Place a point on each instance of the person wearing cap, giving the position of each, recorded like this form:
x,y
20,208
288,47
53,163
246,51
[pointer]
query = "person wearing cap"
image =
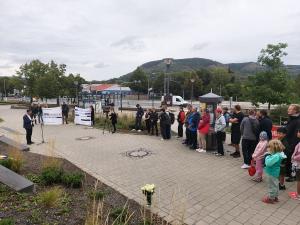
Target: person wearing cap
x,y
249,131
220,125
138,118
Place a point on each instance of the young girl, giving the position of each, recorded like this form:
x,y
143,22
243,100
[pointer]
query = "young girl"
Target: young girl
x,y
296,163
258,155
272,168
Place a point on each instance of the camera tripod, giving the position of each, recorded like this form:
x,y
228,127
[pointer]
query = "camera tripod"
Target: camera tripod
x,y
107,124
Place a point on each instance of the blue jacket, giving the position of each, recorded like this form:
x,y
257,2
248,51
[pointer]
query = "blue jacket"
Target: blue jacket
x,y
194,121
27,123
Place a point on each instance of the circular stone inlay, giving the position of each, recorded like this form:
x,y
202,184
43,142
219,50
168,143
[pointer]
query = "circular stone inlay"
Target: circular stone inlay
x,y
138,153
84,138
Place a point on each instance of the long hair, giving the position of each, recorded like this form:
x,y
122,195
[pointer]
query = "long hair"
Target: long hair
x,y
275,146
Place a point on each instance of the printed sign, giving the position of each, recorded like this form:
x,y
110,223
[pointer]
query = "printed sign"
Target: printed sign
x,y
52,116
83,116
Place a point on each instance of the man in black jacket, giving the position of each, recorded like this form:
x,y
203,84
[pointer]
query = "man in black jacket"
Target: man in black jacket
x,y
292,127
28,124
265,123
65,112
153,121
138,118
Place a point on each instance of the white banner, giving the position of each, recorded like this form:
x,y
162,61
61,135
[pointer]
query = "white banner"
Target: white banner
x,y
83,116
52,116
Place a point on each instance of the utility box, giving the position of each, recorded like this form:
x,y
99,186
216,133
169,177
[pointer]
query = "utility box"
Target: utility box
x,y
210,101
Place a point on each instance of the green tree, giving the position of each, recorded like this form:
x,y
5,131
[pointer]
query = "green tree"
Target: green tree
x,y
272,85
138,81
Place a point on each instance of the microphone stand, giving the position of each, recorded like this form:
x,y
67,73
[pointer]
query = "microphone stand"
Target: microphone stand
x,y
42,132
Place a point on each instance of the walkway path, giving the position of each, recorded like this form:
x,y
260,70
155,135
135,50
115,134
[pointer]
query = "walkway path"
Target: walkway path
x,y
200,188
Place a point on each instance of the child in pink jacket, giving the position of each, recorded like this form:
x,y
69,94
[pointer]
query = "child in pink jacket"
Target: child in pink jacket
x,y
258,155
296,164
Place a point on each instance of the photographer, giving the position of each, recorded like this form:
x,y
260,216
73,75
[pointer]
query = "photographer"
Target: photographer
x,y
113,117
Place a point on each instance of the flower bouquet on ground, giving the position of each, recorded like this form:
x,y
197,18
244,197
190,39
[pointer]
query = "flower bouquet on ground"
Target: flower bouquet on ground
x,y
148,191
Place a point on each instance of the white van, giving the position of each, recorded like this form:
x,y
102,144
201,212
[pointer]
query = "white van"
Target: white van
x,y
174,101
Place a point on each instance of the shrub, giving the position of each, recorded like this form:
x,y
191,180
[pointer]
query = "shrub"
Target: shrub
x,y
119,214
279,114
51,198
97,195
34,178
51,175
12,164
7,221
73,180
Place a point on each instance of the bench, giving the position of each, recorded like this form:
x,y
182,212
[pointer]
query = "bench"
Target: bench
x,y
14,144
15,181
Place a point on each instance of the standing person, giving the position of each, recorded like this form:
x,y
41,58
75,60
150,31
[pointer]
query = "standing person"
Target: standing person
x,y
28,125
285,166
180,120
258,155
265,123
65,112
249,129
193,126
187,140
272,169
114,119
147,120
226,116
236,120
153,121
170,121
203,130
34,111
292,126
296,163
40,113
220,125
138,118
165,122
92,115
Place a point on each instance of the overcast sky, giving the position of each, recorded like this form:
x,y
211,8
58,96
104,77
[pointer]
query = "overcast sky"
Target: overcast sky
x,y
101,39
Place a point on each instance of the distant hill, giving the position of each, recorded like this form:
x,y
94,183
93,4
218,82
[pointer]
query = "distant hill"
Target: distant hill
x,y
189,64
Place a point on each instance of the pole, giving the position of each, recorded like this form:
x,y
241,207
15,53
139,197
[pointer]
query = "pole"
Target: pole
x,y
121,98
192,93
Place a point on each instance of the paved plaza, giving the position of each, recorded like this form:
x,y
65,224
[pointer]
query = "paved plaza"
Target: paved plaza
x,y
194,187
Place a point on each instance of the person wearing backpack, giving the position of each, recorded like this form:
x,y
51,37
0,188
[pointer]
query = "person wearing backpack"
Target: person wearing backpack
x,y
249,128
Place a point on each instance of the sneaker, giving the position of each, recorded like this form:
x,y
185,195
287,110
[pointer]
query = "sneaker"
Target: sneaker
x,y
282,187
162,139
257,179
245,166
276,199
268,200
218,154
139,131
290,179
133,130
202,150
199,150
237,155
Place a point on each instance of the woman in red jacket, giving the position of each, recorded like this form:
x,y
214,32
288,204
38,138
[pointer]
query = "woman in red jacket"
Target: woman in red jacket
x,y
203,129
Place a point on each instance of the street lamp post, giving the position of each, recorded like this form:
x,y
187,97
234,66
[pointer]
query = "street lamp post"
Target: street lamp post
x,y
76,84
121,98
168,63
192,92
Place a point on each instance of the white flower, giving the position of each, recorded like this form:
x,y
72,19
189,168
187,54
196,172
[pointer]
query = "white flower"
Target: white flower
x,y
148,188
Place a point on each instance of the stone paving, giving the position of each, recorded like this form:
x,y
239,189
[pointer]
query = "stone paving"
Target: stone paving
x,y
192,187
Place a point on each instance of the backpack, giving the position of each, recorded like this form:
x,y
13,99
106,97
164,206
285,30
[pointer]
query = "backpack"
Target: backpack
x,y
172,117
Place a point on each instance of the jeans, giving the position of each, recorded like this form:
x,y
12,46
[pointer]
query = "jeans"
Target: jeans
x,y
273,186
138,123
248,147
180,129
193,135
188,136
154,125
220,137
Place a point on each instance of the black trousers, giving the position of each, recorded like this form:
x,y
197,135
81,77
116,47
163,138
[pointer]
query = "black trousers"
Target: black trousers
x,y
188,136
220,137
114,127
193,138
28,135
148,126
163,131
288,164
180,129
248,147
168,131
65,118
154,125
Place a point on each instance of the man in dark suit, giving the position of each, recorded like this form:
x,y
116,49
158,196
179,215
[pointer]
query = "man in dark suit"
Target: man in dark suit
x,y
28,124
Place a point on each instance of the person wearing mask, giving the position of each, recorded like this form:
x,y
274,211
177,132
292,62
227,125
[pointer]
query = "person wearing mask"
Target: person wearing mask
x,y
180,120
65,112
28,125
153,121
220,125
203,129
292,127
92,115
249,130
236,120
265,123
193,127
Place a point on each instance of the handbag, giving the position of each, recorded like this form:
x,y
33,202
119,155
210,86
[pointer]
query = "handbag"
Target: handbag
x,y
251,169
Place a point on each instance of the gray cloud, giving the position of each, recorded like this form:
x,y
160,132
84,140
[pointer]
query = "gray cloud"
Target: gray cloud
x,y
100,65
130,42
200,46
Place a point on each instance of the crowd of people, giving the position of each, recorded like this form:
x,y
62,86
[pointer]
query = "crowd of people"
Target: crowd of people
x,y
277,158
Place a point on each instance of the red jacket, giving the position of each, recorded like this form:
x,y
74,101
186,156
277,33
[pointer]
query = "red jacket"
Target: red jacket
x,y
181,117
204,125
